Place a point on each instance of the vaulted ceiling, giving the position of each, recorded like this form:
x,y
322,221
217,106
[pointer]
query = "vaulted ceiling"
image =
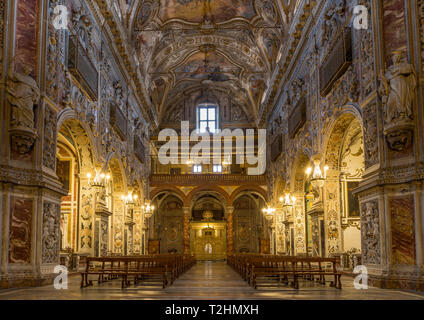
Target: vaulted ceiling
x,y
189,45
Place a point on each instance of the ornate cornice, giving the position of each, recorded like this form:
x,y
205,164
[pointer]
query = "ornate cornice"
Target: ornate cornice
x,y
392,176
30,178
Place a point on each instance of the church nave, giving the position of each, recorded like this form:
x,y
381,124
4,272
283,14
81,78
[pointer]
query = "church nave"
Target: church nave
x,y
183,143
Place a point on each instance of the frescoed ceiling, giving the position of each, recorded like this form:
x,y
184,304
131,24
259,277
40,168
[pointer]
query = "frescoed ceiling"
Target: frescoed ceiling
x,y
196,10
186,44
207,66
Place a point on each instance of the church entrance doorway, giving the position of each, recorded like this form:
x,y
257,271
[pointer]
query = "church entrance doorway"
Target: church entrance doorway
x,y
208,230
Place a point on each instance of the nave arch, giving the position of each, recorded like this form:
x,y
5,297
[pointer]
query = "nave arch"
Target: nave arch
x,y
72,133
94,220
327,221
197,200
344,156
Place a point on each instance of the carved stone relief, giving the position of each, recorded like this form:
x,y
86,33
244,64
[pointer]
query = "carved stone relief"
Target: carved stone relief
x,y
370,134
51,236
334,17
370,231
86,224
367,55
49,147
299,229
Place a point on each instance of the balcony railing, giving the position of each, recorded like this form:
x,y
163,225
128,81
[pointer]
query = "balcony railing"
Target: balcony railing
x,y
205,179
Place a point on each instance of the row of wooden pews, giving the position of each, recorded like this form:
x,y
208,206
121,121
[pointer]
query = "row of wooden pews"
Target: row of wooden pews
x,y
275,270
162,268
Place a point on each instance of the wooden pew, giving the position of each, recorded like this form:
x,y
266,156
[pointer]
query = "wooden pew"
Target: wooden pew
x,y
258,268
165,267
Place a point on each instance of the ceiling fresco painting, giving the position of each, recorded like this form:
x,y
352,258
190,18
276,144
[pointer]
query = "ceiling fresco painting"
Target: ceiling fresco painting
x,y
257,86
214,10
207,66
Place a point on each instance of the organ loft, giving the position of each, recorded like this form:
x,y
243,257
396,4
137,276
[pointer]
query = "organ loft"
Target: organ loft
x,y
238,144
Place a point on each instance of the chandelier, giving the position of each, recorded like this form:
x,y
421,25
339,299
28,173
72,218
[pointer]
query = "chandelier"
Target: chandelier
x,y
269,213
318,174
99,180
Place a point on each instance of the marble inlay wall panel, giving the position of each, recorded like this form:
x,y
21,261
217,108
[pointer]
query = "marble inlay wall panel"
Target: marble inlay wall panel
x,y
394,27
2,19
421,24
403,230
26,34
21,211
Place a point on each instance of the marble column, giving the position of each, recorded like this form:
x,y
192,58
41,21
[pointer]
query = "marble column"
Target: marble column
x,y
230,231
186,235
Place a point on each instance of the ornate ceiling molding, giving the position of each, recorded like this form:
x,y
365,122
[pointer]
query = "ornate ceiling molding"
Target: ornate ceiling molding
x,y
248,34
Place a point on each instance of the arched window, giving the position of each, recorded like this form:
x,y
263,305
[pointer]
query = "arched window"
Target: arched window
x,y
207,118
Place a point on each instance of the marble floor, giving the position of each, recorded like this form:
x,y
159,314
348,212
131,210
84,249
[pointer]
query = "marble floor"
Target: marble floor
x,y
206,281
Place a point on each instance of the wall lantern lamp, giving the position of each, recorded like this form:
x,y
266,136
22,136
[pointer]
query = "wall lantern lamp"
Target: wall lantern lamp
x,y
317,173
100,179
148,209
269,213
288,200
129,199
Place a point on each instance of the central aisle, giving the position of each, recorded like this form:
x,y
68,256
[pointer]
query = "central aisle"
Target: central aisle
x,y
210,280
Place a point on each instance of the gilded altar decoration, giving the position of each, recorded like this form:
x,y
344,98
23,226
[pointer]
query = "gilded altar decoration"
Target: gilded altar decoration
x,y
22,94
